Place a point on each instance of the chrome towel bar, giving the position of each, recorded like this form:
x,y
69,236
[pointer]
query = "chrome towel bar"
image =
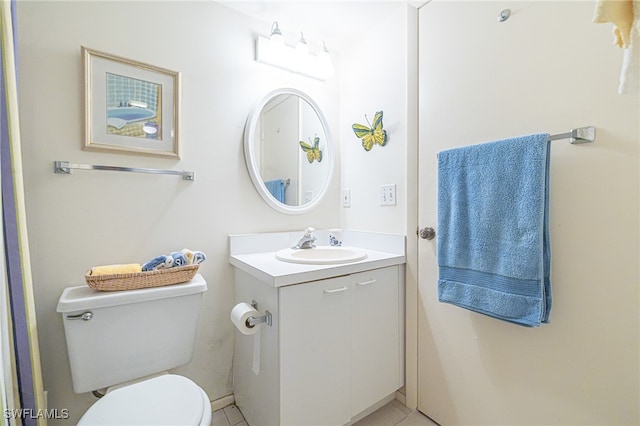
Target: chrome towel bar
x,y
64,167
576,136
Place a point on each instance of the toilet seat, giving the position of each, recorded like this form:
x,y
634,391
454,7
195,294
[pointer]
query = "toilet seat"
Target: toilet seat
x,y
163,400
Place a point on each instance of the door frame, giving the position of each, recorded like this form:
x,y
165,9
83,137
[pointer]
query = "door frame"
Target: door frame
x,y
412,298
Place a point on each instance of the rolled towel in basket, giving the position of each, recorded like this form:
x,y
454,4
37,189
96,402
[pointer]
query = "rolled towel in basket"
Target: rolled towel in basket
x,y
188,254
158,262
175,259
128,268
198,257
193,257
179,259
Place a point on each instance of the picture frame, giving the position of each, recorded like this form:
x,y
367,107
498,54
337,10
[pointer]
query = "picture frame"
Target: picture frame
x,y
130,106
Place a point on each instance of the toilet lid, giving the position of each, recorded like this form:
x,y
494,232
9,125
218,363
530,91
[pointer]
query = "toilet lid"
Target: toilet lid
x,y
165,400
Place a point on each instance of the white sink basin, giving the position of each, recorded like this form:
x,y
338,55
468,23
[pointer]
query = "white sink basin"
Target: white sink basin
x,y
321,255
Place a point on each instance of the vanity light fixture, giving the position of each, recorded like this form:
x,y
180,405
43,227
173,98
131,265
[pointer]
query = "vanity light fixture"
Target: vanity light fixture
x,y
299,59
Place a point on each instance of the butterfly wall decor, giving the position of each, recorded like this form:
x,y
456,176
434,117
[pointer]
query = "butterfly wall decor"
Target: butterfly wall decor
x,y
313,152
372,135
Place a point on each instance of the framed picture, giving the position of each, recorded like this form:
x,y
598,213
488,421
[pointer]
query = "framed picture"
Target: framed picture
x,y
130,106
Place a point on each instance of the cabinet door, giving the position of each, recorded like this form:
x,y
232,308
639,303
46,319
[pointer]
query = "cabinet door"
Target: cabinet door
x,y
315,353
376,337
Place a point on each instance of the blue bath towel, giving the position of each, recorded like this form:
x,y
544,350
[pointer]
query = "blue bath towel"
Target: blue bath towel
x,y
493,229
276,188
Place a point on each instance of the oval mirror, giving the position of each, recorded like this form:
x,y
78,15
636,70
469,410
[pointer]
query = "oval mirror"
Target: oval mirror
x,y
287,147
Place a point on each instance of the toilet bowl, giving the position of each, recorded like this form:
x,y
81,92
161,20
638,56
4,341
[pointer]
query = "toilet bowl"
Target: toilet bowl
x,y
163,400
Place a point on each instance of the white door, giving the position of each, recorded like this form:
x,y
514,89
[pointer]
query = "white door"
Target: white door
x,y
548,68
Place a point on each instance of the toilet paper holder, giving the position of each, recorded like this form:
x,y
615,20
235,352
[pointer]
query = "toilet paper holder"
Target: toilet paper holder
x,y
253,321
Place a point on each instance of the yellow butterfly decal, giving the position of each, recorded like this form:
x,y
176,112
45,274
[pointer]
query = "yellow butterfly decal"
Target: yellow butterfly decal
x,y
371,135
313,152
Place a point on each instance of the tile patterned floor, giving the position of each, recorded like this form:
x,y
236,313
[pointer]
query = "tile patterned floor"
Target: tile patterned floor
x,y
228,416
395,414
392,414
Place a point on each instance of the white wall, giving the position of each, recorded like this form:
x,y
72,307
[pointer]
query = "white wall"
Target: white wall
x,y
374,77
91,217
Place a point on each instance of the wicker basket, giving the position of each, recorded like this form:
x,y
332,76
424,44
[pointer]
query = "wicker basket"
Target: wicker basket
x,y
131,281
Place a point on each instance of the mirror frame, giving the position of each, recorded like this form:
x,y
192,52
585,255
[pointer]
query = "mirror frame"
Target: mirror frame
x,y
252,167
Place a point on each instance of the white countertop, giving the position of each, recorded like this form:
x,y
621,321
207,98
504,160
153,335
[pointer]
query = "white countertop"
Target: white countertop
x,y
382,250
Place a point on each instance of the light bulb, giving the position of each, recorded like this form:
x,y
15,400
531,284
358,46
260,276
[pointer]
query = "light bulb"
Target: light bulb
x,y
301,47
324,61
301,62
276,48
276,35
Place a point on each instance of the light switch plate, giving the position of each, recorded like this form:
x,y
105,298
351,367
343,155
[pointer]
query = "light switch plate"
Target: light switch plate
x,y
388,195
346,198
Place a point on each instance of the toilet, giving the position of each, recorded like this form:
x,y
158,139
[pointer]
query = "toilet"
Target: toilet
x,y
126,341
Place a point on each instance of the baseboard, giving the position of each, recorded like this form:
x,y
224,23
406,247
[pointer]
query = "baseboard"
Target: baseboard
x,y
220,403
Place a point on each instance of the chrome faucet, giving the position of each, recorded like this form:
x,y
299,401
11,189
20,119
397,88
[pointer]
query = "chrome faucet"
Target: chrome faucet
x,y
307,241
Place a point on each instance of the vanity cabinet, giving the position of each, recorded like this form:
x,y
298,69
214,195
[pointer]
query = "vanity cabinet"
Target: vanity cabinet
x,y
339,349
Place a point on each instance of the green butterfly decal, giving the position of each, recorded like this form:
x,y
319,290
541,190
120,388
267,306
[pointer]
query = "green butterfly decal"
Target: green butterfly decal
x,y
313,152
371,135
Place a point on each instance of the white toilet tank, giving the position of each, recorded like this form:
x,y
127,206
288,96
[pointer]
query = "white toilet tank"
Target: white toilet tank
x,y
131,334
